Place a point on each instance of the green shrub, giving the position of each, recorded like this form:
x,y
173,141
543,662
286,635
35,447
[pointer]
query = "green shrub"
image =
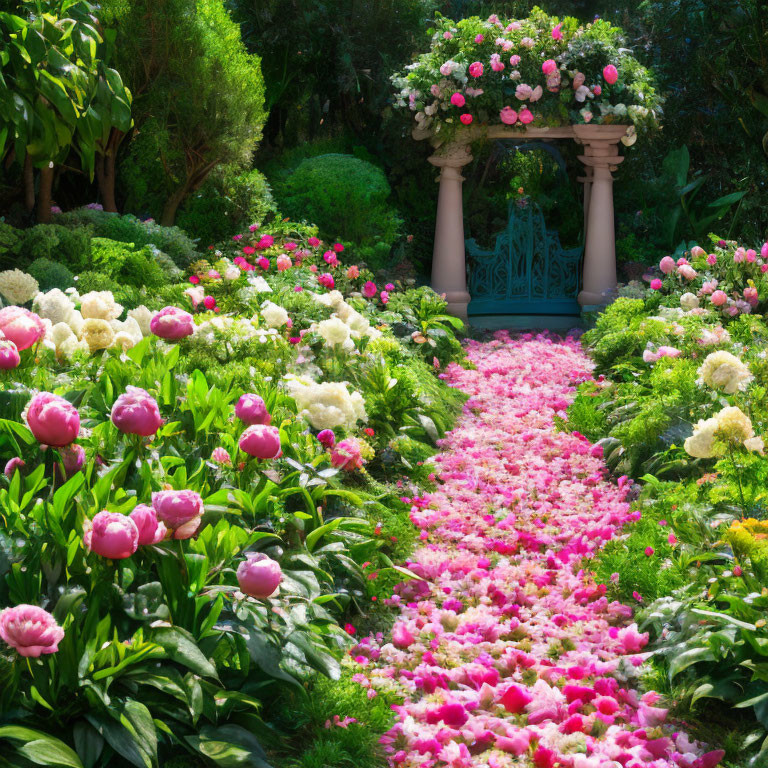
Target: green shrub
x,y
227,203
127,265
68,246
129,229
348,199
94,281
50,274
9,238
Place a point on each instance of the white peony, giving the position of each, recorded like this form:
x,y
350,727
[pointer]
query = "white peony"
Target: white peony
x,y
701,444
100,305
332,299
731,426
722,370
143,317
54,305
689,301
130,328
18,287
327,405
60,333
335,333
71,345
274,315
259,284
75,322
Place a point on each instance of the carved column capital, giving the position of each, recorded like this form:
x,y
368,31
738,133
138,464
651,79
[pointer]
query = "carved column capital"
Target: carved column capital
x,y
450,158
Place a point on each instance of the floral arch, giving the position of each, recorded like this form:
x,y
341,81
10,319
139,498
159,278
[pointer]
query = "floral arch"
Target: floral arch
x,y
536,78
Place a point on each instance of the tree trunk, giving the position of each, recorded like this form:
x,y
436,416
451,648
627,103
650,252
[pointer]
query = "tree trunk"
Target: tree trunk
x,y
168,217
44,195
29,184
105,171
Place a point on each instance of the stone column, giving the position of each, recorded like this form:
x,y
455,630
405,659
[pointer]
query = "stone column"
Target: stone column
x,y
601,156
449,269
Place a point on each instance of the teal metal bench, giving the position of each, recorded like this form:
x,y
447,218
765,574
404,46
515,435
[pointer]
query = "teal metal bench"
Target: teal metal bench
x,y
527,273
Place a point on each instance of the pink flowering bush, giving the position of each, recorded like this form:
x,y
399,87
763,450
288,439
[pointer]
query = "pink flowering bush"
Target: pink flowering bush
x,y
525,72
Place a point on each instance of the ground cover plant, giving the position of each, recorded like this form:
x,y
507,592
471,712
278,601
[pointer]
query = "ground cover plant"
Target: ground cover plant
x,y
200,490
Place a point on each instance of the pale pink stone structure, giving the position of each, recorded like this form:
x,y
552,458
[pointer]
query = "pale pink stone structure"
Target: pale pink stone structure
x,y
601,157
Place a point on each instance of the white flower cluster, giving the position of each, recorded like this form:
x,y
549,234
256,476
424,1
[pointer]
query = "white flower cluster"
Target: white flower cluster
x,y
731,426
17,287
326,405
95,326
345,324
274,315
724,371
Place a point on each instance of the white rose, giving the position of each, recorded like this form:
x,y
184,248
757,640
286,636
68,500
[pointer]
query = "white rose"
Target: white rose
x,y
274,315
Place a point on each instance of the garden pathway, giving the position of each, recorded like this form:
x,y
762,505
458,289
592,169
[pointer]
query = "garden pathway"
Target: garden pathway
x,y
506,647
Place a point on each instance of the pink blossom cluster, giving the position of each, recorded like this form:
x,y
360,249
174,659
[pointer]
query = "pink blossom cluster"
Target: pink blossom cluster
x,y
506,652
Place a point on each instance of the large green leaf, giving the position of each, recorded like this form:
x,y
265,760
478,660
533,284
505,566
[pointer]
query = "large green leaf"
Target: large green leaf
x,y
40,748
180,646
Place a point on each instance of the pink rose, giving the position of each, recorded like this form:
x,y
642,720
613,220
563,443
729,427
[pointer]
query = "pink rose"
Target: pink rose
x,y
515,699
384,296
514,59
476,69
656,284
458,100
751,255
251,409
258,575
687,271
750,295
151,531
466,118
764,250
711,260
172,323
497,65
666,265
30,630
525,116
370,290
9,355
135,412
283,263
347,455
22,327
719,298
401,636
479,39
508,116
739,255
313,241
549,66
326,280
111,535
53,420
597,90
353,272
610,74
557,32
263,263
326,438
261,441
697,251
266,241
523,92
181,511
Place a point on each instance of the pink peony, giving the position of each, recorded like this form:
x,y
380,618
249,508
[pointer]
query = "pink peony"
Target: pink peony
x,y
466,118
476,69
72,458
22,327
53,420
667,265
261,441
711,260
610,74
181,511
327,281
346,455
401,636
549,66
9,355
370,290
251,409
458,100
750,295
656,284
30,630
111,535
526,116
313,242
508,116
719,298
515,699
514,59
697,252
151,531
221,456
326,438
283,262
136,412
557,32
353,272
258,575
172,323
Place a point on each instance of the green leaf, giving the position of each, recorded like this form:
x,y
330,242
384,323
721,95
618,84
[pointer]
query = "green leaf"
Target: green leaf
x,y
181,647
40,748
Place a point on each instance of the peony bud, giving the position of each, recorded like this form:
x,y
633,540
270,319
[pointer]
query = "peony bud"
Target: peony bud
x,y
14,464
135,412
53,420
181,511
30,630
9,355
151,531
611,74
261,441
111,535
22,327
258,575
250,409
326,438
347,455
172,323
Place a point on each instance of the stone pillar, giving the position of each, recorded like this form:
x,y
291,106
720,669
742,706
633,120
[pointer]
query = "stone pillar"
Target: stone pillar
x,y
449,269
601,157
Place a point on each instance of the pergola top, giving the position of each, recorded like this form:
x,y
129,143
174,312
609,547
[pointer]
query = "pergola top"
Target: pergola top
x,y
582,134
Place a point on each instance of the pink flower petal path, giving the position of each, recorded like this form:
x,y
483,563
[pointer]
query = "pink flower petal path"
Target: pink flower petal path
x,y
506,653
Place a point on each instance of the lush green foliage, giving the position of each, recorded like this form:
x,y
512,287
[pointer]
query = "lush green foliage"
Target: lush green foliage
x,y
348,199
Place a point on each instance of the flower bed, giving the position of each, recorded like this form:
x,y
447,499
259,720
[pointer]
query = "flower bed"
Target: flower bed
x,y
506,652
201,487
683,407
538,71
